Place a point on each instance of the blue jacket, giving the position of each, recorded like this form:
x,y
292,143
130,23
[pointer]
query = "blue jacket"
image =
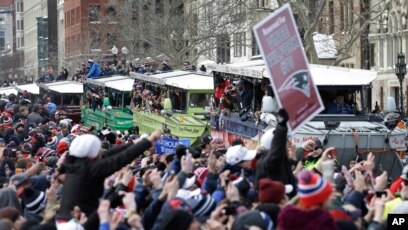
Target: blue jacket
x,y
95,71
342,108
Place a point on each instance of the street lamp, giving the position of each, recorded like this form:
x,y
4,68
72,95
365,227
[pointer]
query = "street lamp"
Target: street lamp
x,y
125,51
400,71
114,51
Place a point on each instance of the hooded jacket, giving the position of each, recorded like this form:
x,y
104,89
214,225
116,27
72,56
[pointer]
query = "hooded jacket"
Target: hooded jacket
x,y
83,185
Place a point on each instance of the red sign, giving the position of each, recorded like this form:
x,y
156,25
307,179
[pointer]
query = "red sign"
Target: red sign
x,y
287,66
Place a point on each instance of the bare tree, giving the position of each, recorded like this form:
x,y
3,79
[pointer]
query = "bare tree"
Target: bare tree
x,y
182,30
347,20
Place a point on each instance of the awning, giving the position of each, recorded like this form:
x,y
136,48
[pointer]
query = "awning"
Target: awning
x,y
64,87
192,82
322,75
31,88
121,83
7,91
158,78
125,85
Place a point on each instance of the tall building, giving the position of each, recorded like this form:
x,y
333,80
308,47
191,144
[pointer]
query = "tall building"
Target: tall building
x,y
11,55
40,36
388,37
6,27
19,24
61,32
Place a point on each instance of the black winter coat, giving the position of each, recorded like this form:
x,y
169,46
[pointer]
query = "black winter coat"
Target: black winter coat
x,y
275,165
83,184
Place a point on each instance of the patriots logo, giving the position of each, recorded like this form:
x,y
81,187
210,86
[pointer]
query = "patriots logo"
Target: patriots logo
x,y
300,81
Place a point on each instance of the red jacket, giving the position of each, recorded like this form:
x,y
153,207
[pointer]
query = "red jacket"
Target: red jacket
x,y
219,90
396,185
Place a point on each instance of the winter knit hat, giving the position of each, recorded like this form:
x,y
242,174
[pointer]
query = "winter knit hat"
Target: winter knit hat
x,y
26,148
313,189
52,142
252,218
62,147
86,145
202,205
27,138
9,213
52,125
201,173
34,201
272,191
8,121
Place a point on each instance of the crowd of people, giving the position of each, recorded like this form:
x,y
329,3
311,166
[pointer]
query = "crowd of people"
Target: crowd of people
x,y
58,175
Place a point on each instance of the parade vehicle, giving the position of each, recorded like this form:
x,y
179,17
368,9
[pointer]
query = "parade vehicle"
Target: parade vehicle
x,y
33,91
66,95
185,98
353,134
106,102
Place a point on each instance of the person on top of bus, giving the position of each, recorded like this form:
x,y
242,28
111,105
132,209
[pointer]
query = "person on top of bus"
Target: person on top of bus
x,y
245,94
339,106
95,71
106,71
228,101
220,85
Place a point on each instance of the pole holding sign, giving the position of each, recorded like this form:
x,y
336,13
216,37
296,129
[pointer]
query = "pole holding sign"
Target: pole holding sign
x,y
287,67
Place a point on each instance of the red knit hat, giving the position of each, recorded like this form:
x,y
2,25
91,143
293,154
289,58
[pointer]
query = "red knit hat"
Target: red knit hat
x,y
313,189
271,191
62,147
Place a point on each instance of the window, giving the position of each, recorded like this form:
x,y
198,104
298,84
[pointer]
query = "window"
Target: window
x,y
111,38
18,25
342,16
111,11
223,49
255,47
94,11
262,3
238,12
68,17
22,42
95,40
2,20
2,40
78,15
331,17
372,54
239,44
199,99
73,18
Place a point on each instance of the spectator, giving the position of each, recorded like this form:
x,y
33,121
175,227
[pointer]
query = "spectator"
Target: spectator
x,y
95,70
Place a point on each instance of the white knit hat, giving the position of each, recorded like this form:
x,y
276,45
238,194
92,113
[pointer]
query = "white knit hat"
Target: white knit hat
x,y
86,145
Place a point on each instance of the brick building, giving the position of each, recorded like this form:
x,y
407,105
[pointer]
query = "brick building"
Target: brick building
x,y
89,30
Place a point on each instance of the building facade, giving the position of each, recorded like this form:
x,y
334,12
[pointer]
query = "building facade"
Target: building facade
x,y
388,37
338,20
40,48
61,32
11,55
6,27
90,28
